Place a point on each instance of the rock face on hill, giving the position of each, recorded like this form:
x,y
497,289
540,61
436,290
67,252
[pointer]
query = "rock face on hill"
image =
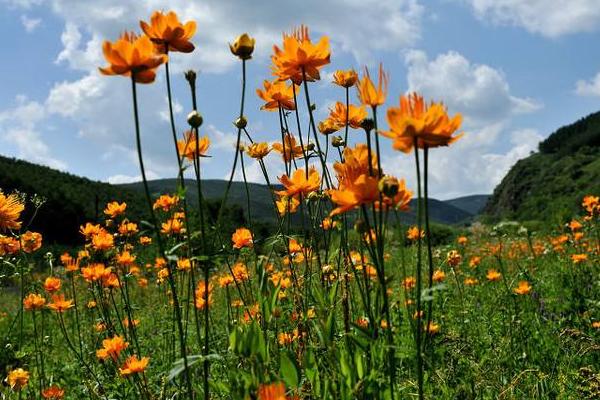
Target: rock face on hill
x,y
549,185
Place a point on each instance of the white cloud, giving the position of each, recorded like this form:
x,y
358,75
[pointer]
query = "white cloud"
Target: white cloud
x,y
588,88
478,91
474,164
164,113
30,24
550,18
19,127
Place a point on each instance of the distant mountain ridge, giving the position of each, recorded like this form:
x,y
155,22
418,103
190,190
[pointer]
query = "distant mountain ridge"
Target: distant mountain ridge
x,y
549,185
72,200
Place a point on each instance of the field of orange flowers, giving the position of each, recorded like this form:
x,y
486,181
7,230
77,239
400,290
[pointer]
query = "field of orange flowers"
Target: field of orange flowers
x,y
344,301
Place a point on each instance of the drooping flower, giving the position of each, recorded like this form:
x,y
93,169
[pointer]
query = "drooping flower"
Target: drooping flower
x,y
328,126
243,46
191,148
131,54
368,93
17,379
133,365
430,126
168,33
345,79
112,348
10,211
278,94
356,115
59,304
242,237
298,54
114,209
299,183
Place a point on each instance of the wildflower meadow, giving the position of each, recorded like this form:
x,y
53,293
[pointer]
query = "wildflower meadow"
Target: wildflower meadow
x,y
348,297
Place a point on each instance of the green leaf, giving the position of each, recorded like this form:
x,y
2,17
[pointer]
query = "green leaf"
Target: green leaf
x,y
179,365
289,370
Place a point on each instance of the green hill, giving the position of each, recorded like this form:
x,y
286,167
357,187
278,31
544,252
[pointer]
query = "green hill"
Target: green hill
x,y
549,185
471,204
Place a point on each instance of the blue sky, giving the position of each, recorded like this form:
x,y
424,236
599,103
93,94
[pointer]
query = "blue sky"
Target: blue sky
x,y
517,70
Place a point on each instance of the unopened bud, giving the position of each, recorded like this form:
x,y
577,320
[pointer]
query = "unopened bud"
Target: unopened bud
x,y
313,107
337,141
360,226
243,46
194,119
190,76
368,124
388,185
310,146
241,122
313,196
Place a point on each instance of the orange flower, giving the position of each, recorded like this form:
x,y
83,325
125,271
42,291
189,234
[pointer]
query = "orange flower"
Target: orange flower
x,y
278,94
165,202
493,275
226,280
414,234
429,125
203,295
400,201
134,366
59,304
9,245
453,258
258,150
287,205
575,225
471,281
349,195
591,203
184,264
242,237
103,241
345,79
243,46
579,258
89,230
31,241
523,288
288,148
145,240
95,272
34,301
409,282
432,328
114,209
128,228
125,258
462,240
370,95
52,284
131,54
168,33
112,348
10,211
272,391
300,184
187,146
356,115
240,272
329,126
438,275
300,55
172,226
474,261
53,393
17,379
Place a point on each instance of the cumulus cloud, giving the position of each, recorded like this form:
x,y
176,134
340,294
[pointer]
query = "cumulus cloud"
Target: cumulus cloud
x,y
549,18
481,93
588,87
478,91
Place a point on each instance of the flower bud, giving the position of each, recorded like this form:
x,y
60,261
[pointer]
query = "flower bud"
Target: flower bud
x,y
310,146
368,124
388,185
313,107
190,76
360,226
243,46
337,141
194,119
241,122
313,196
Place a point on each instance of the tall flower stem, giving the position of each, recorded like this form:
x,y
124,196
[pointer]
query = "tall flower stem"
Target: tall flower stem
x,y
419,354
314,129
154,221
428,232
172,120
347,116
